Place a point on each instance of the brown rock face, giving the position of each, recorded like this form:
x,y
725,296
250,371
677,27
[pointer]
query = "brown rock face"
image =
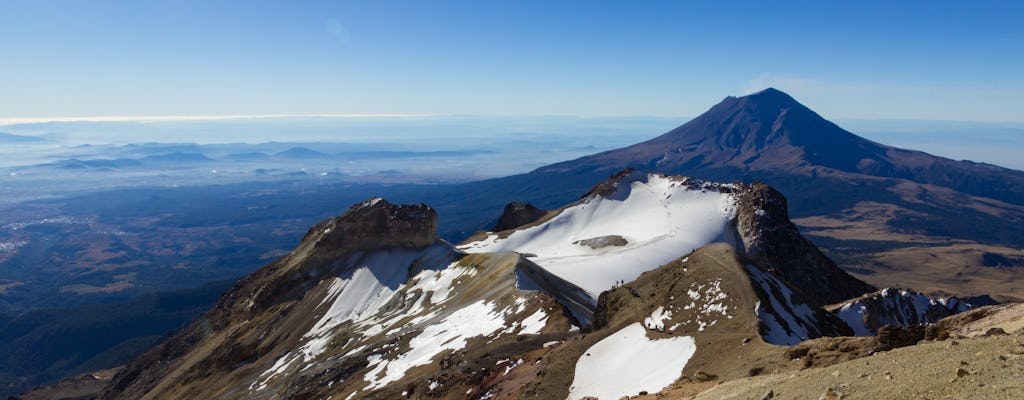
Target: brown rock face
x,y
894,336
375,224
774,243
517,214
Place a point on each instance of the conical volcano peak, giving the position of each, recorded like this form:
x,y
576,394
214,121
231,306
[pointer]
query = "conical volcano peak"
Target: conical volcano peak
x,y
767,100
771,95
767,130
767,104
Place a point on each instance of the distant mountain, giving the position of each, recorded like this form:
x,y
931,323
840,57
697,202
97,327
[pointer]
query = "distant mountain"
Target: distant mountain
x,y
302,152
75,163
177,157
771,133
928,222
379,154
247,156
11,138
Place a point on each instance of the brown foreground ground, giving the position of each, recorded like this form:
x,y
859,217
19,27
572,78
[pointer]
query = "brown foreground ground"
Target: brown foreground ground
x,y
981,363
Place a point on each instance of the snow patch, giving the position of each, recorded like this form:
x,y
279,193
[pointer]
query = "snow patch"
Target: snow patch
x,y
627,362
658,318
534,323
279,366
708,300
452,333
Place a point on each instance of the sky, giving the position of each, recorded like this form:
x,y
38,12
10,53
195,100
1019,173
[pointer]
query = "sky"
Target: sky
x,y
932,60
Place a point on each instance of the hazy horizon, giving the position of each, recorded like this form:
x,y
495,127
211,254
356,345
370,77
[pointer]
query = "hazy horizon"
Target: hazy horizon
x,y
993,143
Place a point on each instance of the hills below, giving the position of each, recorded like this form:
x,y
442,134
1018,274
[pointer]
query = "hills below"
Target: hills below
x,y
11,138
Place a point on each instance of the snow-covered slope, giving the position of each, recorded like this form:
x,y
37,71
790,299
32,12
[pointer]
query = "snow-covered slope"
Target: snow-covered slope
x,y
895,307
610,239
370,305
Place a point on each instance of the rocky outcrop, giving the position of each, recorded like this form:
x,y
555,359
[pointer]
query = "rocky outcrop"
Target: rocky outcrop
x,y
371,304
517,214
603,241
375,224
767,237
365,227
326,250
899,307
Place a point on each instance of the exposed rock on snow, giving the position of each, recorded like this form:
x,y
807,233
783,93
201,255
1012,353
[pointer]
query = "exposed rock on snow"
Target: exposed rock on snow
x,y
895,307
787,319
603,241
517,214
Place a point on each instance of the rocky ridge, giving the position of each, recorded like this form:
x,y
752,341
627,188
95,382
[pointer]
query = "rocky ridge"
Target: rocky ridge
x,y
372,304
895,307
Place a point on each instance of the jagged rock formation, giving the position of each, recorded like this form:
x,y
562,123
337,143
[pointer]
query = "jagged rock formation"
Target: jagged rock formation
x,y
371,304
900,307
774,243
669,272
517,214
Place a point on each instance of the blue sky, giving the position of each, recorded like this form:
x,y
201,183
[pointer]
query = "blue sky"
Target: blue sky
x,y
933,60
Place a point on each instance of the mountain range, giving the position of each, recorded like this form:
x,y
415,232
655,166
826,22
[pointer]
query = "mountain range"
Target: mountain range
x,y
372,304
645,281
663,275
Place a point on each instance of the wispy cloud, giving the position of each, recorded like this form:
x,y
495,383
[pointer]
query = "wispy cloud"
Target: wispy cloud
x,y
338,31
173,118
805,85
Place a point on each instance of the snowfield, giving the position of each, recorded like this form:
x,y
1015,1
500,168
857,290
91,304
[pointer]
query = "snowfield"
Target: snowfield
x,y
660,218
627,362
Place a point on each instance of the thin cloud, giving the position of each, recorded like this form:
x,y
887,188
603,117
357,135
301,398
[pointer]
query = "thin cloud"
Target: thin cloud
x,y
804,85
338,31
173,118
